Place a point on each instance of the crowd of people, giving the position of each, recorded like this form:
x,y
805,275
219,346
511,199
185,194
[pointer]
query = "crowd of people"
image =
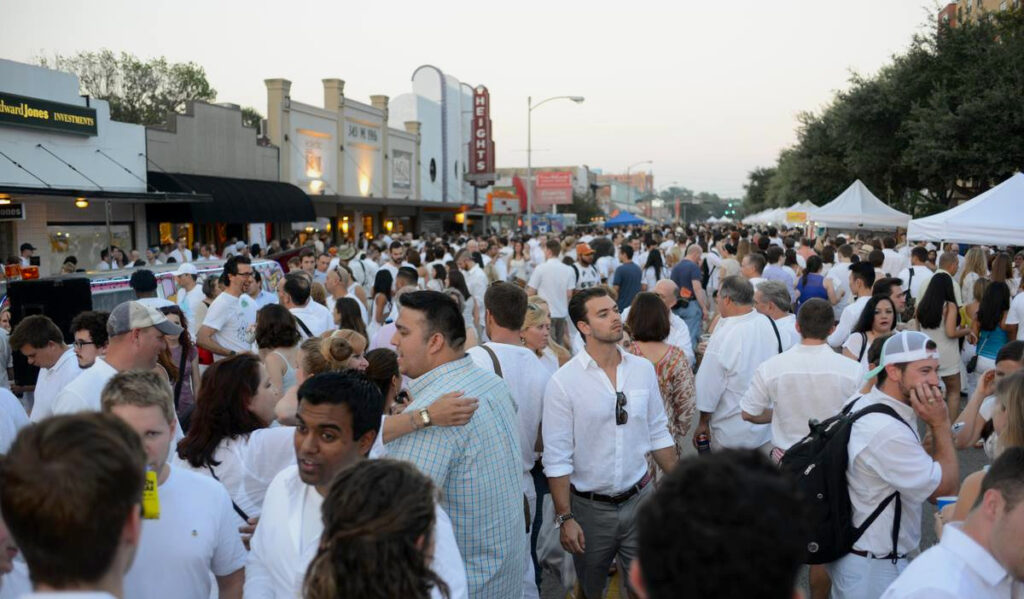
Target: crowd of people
x,y
485,415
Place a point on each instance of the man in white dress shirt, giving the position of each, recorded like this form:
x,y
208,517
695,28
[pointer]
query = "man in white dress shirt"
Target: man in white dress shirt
x,y
476,280
339,284
194,534
506,356
71,488
861,281
293,292
743,339
888,465
181,253
554,281
40,340
917,276
603,413
771,298
894,263
338,418
982,557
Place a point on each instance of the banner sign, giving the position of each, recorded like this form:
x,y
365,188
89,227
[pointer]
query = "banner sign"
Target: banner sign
x,y
796,217
481,147
553,187
12,211
43,114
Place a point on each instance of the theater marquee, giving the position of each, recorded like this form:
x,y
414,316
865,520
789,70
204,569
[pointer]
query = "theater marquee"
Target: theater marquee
x,y
43,114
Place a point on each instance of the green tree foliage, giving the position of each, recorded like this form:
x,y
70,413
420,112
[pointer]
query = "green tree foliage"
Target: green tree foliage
x,y
941,122
251,117
138,91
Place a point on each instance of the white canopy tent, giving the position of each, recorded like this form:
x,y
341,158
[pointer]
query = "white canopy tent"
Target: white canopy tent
x,y
856,208
994,218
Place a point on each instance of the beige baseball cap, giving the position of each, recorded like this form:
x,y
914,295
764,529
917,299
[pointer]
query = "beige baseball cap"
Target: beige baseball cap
x,y
136,315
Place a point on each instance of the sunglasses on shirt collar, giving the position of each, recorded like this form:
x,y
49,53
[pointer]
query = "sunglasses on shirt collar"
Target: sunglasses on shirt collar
x,y
621,415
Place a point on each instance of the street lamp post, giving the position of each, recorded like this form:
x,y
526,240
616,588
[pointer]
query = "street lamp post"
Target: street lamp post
x,y
529,151
629,182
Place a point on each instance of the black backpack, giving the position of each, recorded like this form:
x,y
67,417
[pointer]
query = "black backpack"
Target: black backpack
x,y
819,462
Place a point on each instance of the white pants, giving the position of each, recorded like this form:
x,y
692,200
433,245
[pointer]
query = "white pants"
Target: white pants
x,y
856,577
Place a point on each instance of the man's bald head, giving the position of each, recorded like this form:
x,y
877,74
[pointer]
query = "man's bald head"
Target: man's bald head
x,y
694,251
668,291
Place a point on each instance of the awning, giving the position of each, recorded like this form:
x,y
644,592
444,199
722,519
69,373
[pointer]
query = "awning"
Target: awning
x,y
234,200
362,203
115,197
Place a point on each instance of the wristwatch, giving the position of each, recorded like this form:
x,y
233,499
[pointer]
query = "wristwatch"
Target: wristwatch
x,y
425,418
563,518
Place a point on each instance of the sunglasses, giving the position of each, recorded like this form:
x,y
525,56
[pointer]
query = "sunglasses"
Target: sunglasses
x,y
621,415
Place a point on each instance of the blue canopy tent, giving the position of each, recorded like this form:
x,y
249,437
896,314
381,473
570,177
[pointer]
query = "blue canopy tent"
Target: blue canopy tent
x,y
624,219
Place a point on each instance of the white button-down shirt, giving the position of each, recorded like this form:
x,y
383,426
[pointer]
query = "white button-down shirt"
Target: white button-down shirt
x,y
581,438
52,381
805,382
737,347
917,286
886,456
848,319
317,318
957,567
553,280
678,335
787,331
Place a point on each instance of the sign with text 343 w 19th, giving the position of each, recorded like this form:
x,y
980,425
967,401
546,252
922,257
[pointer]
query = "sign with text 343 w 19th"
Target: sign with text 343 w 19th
x,y
553,187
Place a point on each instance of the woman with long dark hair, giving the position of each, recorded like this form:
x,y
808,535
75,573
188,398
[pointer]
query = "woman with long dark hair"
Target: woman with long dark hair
x,y
939,317
378,513
653,270
990,326
382,302
470,309
813,284
878,319
179,359
347,315
229,437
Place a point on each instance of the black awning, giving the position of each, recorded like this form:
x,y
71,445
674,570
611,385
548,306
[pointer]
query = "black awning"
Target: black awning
x,y
234,200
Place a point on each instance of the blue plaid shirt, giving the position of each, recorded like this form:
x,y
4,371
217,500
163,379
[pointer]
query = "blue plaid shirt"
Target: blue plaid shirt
x,y
478,469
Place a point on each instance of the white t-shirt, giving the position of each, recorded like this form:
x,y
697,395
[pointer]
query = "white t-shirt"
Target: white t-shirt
x,y
83,393
180,257
1016,314
189,302
316,317
233,319
52,381
553,280
12,419
196,534
247,464
917,286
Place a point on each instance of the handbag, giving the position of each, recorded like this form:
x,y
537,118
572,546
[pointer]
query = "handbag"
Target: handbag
x,y
972,364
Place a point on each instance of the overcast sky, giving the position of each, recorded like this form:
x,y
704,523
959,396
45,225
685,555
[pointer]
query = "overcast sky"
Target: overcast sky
x,y
706,90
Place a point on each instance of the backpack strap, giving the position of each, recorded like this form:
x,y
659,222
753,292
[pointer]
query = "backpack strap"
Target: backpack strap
x,y
303,326
494,360
778,337
863,346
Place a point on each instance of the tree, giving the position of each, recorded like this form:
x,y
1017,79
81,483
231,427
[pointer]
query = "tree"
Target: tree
x,y
140,92
584,206
756,187
251,117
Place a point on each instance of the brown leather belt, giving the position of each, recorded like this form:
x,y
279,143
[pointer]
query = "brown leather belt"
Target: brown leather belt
x,y
615,499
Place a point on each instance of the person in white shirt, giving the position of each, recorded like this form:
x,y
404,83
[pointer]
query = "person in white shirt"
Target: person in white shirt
x,y
917,276
752,267
13,418
742,340
293,292
603,413
840,276
195,532
476,280
586,272
772,299
189,295
41,341
338,417
89,329
888,465
230,321
181,253
27,250
323,262
1016,313
339,284
983,556
137,334
506,356
861,281
143,283
809,381
554,281
396,259
679,333
894,263
78,542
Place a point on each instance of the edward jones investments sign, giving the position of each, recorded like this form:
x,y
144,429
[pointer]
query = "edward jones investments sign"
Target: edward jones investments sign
x,y
43,114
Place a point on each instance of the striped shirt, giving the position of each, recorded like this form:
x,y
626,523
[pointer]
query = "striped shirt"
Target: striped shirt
x,y
478,470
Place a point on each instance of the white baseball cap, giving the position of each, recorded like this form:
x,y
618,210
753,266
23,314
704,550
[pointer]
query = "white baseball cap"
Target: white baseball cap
x,y
904,347
186,268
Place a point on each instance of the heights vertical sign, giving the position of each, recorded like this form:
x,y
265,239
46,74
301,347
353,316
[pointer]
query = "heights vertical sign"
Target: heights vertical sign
x,y
481,146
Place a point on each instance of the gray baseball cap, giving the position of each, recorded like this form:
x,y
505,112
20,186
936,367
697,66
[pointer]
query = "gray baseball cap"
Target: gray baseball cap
x,y
136,315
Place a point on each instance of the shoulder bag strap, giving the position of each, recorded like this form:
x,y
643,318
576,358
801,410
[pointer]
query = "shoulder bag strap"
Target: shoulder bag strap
x,y
778,337
494,360
303,326
863,346
238,510
181,376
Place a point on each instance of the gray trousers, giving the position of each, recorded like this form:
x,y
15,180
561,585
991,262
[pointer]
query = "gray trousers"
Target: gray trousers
x,y
609,531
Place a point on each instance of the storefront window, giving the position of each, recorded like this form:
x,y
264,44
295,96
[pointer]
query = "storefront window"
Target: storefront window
x,y
84,242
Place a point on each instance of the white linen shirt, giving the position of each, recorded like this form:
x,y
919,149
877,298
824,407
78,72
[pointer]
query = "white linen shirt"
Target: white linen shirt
x,y
526,382
737,347
553,280
318,318
787,331
805,382
917,287
957,567
851,314
277,563
581,438
886,456
678,334
1016,314
51,382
